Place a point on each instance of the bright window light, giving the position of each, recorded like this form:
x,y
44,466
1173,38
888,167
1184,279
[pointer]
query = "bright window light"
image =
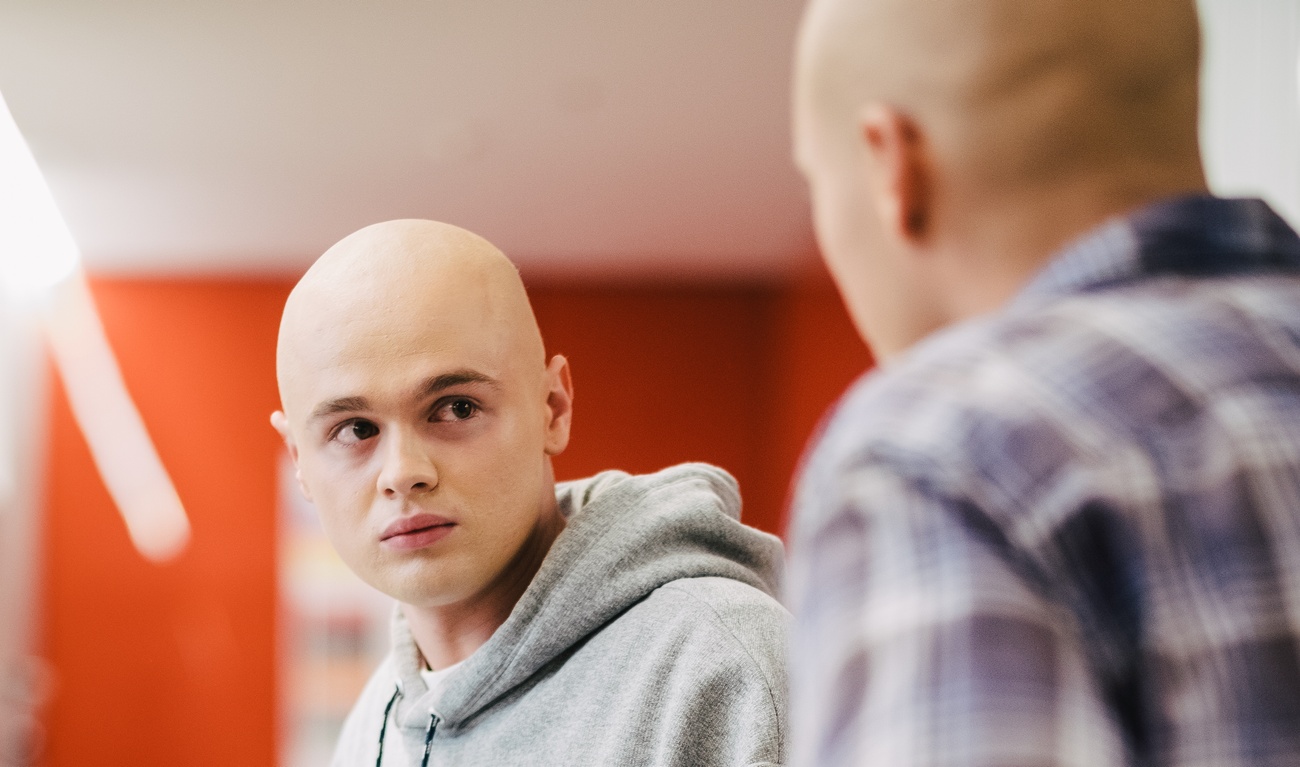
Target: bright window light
x,y
39,258
36,249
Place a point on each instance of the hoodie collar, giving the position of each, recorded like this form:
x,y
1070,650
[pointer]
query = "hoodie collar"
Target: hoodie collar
x,y
626,536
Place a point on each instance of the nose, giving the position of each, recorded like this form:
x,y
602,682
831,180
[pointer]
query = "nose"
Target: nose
x,y
407,466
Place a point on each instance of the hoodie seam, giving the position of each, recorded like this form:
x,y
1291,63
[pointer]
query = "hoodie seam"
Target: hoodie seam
x,y
568,574
679,587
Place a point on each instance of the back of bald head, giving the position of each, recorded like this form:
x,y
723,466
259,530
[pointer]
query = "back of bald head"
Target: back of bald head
x,y
386,277
1012,91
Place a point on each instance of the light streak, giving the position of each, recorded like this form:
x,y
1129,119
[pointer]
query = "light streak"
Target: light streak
x,y
40,265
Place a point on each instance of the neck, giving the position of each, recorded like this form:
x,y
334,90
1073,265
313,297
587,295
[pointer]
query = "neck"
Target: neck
x,y
448,634
1006,243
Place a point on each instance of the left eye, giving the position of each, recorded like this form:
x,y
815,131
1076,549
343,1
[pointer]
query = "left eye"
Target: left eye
x,y
356,431
456,410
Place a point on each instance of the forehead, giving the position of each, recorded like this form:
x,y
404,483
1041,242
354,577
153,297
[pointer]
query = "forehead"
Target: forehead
x,y
386,348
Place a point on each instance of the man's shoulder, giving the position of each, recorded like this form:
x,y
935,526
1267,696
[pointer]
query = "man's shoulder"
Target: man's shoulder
x,y
1083,354
748,614
713,620
928,409
1011,402
699,635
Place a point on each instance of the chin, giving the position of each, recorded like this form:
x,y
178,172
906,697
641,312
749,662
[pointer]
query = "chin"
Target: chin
x,y
431,586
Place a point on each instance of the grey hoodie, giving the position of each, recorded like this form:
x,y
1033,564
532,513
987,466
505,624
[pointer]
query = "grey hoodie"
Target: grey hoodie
x,y
650,636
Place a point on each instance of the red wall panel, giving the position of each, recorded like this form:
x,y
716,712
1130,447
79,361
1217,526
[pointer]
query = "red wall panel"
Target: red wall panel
x,y
816,354
662,376
171,664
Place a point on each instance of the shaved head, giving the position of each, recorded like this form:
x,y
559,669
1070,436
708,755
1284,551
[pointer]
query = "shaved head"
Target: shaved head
x,y
1011,90
381,285
952,146
422,415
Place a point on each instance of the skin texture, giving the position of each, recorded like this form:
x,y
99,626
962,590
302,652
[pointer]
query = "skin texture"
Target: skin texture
x,y
952,146
413,381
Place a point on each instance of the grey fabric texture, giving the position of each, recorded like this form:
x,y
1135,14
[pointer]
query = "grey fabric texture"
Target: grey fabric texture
x,y
650,636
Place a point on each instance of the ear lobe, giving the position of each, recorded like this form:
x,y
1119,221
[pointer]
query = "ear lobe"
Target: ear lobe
x,y
281,423
302,486
901,176
559,405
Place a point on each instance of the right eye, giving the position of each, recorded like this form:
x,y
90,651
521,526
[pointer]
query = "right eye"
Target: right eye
x,y
352,432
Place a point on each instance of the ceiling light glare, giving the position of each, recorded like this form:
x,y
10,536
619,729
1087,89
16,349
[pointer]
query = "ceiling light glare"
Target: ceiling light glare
x,y
119,443
37,251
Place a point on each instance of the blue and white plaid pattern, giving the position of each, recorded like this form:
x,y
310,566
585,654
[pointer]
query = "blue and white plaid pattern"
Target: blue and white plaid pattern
x,y
1069,534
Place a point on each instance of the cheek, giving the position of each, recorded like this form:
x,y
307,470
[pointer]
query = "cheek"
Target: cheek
x,y
829,222
857,256
841,224
499,465
339,493
839,208
500,477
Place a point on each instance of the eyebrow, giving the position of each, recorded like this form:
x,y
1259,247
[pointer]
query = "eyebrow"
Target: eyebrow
x,y
340,405
431,385
438,383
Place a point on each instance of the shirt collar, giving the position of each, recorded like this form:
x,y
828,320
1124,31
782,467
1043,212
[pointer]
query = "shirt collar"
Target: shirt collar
x,y
1198,235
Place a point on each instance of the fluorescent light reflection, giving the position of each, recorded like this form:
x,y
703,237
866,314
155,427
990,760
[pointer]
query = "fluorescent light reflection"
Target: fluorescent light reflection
x,y
118,440
40,264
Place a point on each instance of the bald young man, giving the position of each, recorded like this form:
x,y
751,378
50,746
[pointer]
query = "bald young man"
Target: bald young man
x,y
1060,524
618,620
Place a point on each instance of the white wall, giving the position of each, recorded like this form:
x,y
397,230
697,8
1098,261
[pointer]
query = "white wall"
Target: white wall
x,y
1250,113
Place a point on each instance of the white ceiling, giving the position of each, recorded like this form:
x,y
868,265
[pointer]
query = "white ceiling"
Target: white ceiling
x,y
582,136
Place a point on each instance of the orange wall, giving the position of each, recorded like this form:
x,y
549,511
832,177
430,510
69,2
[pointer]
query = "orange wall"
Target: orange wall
x,y
816,355
738,377
175,664
662,376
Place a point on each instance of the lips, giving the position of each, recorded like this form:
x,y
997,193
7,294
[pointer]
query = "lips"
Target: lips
x,y
416,532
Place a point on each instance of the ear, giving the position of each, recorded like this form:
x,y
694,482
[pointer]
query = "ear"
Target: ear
x,y
901,174
559,405
281,424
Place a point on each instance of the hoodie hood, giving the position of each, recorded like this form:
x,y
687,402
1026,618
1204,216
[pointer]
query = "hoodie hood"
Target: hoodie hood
x,y
625,537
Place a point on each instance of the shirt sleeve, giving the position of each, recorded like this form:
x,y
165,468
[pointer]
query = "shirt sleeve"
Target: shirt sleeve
x,y
923,638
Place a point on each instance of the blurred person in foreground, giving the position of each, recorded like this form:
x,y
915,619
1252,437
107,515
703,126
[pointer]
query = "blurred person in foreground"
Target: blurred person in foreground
x,y
1060,525
621,620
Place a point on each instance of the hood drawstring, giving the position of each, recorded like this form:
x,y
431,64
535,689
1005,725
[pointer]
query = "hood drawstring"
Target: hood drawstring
x,y
397,690
428,738
383,729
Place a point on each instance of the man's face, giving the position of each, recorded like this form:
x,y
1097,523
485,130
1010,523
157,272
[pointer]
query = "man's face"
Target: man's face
x,y
422,435
886,296
848,233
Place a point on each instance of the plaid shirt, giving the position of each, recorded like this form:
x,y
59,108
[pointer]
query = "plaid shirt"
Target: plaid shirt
x,y
1069,533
